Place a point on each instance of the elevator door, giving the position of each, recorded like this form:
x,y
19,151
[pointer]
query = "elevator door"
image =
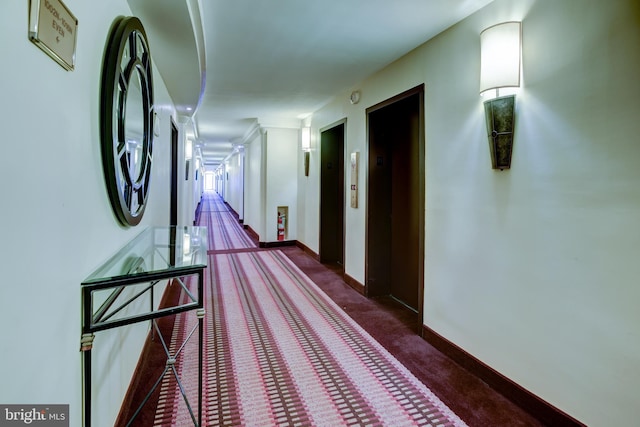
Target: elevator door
x,y
395,227
332,195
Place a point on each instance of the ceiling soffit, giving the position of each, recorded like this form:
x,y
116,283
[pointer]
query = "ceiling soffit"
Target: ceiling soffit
x,y
176,39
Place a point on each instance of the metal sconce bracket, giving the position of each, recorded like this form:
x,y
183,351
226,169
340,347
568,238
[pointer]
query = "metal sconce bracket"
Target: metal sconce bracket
x,y
306,163
305,141
500,119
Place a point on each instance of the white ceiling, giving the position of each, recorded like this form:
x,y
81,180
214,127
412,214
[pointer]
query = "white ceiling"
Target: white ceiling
x,y
241,62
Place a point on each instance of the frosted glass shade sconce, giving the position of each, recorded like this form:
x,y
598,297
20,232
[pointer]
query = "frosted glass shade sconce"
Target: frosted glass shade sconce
x,y
500,56
188,155
188,149
500,52
306,148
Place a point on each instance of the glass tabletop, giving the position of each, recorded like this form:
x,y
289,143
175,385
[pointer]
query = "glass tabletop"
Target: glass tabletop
x,y
155,250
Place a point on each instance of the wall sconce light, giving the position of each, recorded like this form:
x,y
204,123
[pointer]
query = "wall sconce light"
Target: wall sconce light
x,y
306,148
188,149
156,124
188,155
500,47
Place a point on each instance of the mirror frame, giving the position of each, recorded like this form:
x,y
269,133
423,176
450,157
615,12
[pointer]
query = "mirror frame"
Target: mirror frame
x,y
127,54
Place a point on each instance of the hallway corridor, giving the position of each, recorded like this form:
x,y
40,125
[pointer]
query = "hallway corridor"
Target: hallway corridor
x,y
279,351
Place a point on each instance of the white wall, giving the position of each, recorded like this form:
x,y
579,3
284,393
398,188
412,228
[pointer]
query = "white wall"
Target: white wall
x,y
188,188
57,222
270,180
235,169
532,270
282,185
252,182
308,200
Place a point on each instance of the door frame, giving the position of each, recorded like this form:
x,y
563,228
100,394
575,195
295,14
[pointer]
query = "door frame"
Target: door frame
x,y
340,122
417,90
173,202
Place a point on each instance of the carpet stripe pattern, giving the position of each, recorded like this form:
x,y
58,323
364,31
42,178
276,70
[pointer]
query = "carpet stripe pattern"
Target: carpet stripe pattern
x,y
224,231
279,352
172,409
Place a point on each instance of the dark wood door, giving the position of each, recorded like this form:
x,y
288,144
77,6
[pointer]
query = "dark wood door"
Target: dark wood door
x,y
173,214
378,278
405,202
395,228
332,195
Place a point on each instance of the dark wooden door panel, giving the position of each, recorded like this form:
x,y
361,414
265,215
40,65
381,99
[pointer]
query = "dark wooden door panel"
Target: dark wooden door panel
x,y
395,205
332,195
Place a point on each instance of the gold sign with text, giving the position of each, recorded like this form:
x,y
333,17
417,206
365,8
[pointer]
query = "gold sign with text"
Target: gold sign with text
x,y
53,28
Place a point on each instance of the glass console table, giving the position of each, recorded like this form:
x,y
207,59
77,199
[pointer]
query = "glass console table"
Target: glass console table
x,y
121,292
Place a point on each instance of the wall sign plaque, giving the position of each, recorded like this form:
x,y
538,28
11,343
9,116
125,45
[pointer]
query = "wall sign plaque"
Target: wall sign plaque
x,y
54,29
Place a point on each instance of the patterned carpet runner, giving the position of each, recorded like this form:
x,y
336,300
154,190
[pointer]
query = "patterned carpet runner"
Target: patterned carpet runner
x,y
279,352
224,230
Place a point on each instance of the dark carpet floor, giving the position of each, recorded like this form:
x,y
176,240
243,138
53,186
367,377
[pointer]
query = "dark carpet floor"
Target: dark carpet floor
x,y
398,330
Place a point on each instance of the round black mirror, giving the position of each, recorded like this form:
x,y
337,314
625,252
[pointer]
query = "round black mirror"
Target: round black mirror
x,y
126,118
